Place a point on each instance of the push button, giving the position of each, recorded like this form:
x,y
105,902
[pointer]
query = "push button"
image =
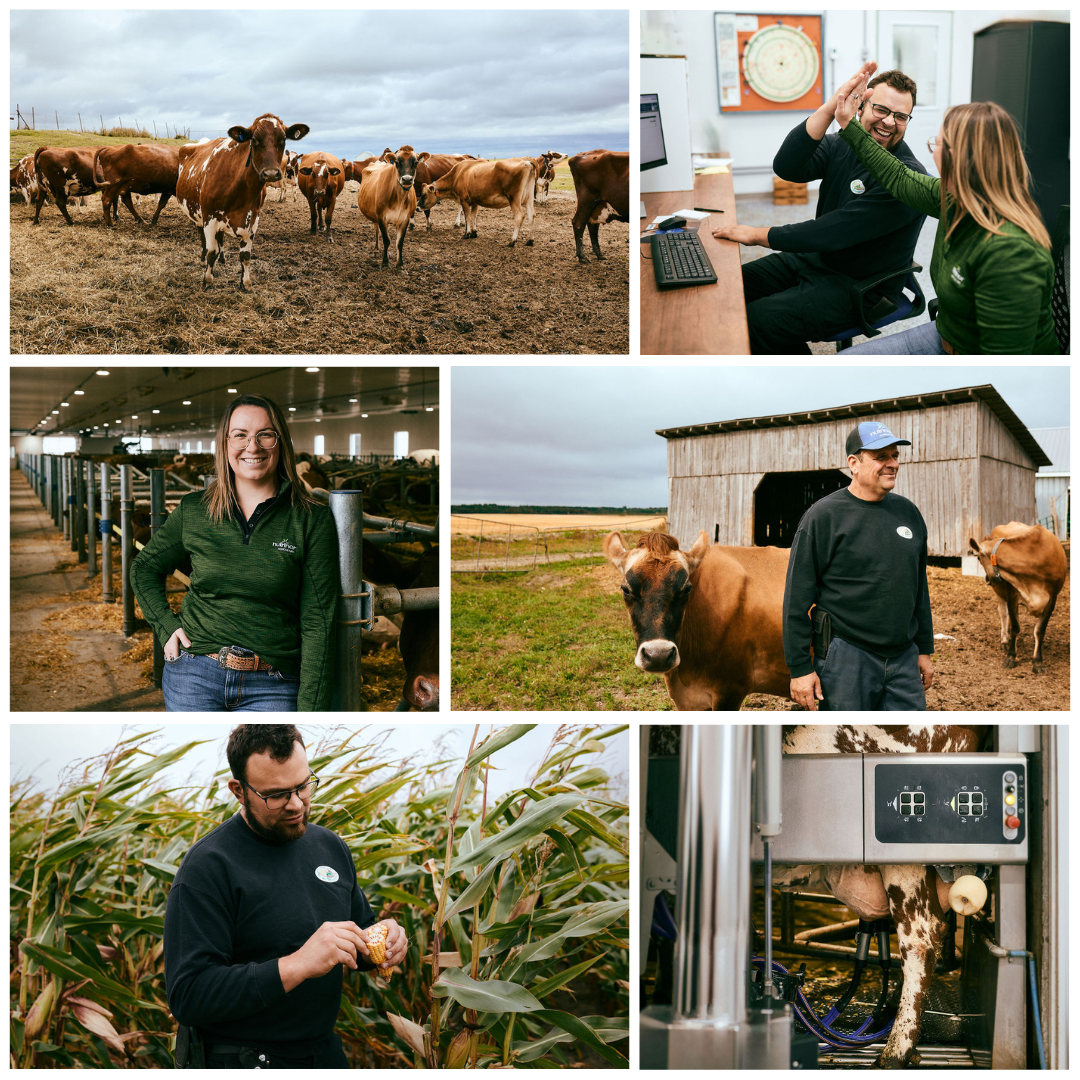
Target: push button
x,y
1012,822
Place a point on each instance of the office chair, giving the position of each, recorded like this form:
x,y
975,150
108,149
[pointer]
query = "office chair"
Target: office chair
x,y
884,311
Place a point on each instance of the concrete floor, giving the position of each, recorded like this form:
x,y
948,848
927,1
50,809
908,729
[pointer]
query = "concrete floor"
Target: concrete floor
x,y
53,667
758,210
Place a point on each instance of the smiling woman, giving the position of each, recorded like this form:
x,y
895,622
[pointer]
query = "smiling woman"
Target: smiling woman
x,y
256,630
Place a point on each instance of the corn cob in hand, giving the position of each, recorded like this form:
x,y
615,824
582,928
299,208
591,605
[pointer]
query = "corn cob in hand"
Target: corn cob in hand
x,y
376,936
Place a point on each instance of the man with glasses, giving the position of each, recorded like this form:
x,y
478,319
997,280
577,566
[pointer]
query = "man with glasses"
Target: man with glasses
x,y
804,292
264,915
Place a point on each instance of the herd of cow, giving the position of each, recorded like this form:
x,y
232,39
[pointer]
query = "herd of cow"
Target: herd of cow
x,y
221,185
710,619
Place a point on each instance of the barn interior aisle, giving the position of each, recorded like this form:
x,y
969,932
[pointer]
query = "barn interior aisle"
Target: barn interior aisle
x,y
90,669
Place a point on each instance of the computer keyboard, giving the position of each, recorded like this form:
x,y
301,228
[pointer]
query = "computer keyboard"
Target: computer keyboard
x,y
678,258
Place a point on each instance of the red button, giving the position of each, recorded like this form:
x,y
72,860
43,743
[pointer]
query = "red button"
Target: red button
x,y
1012,822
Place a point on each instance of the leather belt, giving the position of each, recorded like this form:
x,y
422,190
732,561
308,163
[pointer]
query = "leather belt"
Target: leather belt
x,y
947,347
235,658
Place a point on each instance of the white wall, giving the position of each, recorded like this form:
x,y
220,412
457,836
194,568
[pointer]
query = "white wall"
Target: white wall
x,y
752,139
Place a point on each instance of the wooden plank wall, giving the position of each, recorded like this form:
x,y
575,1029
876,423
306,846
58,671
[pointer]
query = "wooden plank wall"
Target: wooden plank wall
x,y
963,470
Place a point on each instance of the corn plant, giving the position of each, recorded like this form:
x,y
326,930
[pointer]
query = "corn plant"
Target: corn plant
x,y
515,908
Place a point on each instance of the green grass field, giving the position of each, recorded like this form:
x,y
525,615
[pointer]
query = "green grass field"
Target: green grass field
x,y
553,638
26,141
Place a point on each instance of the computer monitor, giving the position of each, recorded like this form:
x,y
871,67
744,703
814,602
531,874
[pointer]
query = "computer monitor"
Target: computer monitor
x,y
653,151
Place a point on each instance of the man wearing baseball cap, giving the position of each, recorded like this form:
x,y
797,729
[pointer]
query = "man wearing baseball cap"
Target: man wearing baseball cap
x,y
856,590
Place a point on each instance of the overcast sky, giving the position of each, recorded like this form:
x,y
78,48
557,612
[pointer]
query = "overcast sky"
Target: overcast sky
x,y
44,751
487,82
584,436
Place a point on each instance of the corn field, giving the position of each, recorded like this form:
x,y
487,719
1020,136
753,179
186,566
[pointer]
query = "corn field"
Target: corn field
x,y
515,908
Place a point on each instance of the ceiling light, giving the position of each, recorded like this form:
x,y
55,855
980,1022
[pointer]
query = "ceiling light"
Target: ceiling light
x,y
291,409
56,412
102,372
80,391
134,417
364,415
187,402
429,409
95,427
232,391
311,369
63,404
353,400
155,411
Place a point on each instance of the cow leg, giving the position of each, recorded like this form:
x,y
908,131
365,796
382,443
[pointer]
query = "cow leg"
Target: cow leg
x,y
126,196
106,208
247,238
920,928
530,213
519,214
61,198
1012,606
314,213
386,243
165,195
1037,665
401,231
211,248
329,219
580,218
42,195
594,239
427,215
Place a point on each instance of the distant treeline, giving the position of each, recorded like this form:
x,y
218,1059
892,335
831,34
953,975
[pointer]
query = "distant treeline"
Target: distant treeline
x,y
497,508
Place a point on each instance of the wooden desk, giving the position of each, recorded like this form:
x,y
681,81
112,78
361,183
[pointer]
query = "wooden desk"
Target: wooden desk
x,y
700,319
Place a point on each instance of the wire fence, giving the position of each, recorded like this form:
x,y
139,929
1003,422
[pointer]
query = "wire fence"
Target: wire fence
x,y
26,118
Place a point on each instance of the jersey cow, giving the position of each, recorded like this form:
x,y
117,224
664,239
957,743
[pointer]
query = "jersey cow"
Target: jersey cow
x,y
121,171
436,166
602,183
222,186
491,184
387,196
62,172
321,178
545,173
1023,564
709,619
913,896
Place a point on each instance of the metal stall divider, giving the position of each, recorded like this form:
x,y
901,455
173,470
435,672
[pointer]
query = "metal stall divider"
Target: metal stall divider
x,y
354,603
158,514
127,508
107,596
91,514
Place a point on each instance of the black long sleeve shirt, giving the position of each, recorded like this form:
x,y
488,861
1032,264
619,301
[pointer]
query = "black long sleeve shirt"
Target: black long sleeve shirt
x,y
865,564
860,233
239,903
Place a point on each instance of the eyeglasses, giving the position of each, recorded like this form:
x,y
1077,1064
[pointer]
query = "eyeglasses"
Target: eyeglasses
x,y
266,440
881,112
932,143
277,799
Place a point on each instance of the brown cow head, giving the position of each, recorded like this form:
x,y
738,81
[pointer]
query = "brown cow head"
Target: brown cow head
x,y
266,138
429,197
656,588
320,170
405,161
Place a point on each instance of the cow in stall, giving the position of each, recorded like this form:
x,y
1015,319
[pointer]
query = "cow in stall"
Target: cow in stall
x,y
387,196
222,186
602,184
123,171
430,170
1023,564
63,172
191,467
710,619
321,178
914,896
492,184
311,475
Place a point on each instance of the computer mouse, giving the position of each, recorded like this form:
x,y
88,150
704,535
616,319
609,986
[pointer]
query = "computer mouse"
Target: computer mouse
x,y
672,223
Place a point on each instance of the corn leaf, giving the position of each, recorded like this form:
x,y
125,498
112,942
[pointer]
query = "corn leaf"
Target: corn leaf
x,y
72,970
607,1028
496,741
488,995
582,1031
538,817
411,1032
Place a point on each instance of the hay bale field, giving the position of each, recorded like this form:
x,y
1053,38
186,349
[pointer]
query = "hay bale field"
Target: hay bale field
x,y
133,289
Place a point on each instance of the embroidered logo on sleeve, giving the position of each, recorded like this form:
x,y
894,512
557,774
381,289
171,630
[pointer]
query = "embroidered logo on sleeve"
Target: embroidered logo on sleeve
x,y
957,276
326,873
904,531
858,187
284,545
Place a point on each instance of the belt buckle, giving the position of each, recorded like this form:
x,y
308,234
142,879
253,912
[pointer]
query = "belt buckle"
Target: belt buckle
x,y
238,653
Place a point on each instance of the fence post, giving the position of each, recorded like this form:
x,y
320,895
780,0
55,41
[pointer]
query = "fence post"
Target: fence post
x,y
157,519
127,508
80,506
347,508
57,115
91,534
107,596
80,129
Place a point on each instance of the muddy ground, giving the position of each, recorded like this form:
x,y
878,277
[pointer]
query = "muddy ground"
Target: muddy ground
x,y
133,289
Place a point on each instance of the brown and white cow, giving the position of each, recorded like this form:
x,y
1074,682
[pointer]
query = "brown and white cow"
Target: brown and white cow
x,y
24,179
602,183
387,196
321,177
545,165
436,166
62,172
121,171
912,895
290,160
1023,564
491,184
710,619
222,185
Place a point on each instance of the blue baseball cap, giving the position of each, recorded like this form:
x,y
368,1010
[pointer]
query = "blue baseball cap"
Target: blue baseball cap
x,y
872,435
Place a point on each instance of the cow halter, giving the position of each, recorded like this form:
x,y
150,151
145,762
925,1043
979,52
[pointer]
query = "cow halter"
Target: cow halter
x,y
993,557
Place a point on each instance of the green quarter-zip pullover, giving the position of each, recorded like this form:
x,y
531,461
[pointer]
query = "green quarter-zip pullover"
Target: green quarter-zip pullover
x,y
269,585
993,290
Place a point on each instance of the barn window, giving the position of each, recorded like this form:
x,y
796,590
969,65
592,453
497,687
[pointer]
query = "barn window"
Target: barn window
x,y
198,447
354,446
146,444
781,499
401,444
187,447
320,442
58,444
213,446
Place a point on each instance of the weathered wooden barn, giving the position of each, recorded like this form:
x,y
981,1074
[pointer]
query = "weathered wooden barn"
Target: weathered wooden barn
x,y
971,465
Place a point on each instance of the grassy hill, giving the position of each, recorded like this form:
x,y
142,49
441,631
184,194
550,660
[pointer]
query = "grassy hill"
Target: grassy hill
x,y
27,140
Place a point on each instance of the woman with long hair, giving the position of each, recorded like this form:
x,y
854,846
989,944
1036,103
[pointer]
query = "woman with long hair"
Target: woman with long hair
x,y
256,628
992,268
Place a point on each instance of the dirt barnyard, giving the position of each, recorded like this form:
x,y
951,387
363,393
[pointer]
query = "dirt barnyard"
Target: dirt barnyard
x,y
86,288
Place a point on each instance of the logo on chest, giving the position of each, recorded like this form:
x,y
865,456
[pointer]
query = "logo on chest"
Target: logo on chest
x,y
858,187
284,545
957,277
904,531
326,873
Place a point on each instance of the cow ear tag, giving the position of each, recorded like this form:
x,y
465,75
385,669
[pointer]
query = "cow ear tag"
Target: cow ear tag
x,y
326,873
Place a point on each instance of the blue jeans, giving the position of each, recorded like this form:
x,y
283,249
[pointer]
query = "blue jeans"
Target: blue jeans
x,y
856,681
921,340
199,684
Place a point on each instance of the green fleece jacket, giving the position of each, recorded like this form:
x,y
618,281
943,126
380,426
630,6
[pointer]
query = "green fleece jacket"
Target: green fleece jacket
x,y
993,291
274,592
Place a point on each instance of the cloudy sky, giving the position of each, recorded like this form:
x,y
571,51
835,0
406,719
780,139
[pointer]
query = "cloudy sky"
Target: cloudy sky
x,y
492,83
584,436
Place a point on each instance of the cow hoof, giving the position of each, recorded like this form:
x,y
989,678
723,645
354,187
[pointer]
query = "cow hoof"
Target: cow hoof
x,y
512,243
582,259
1038,668
1010,662
528,243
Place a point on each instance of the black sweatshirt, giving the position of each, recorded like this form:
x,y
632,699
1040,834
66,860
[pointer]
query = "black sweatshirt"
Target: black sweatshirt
x,y
237,905
860,234
865,564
